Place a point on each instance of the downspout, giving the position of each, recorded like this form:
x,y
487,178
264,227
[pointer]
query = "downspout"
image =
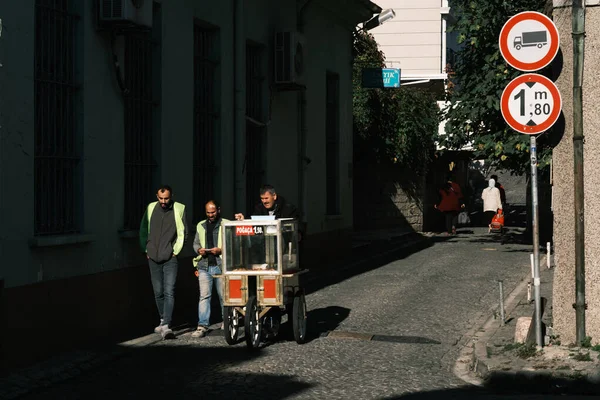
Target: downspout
x,y
239,108
302,132
578,24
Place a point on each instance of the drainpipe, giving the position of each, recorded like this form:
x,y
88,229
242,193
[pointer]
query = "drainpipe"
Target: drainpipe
x,y
302,132
578,24
239,107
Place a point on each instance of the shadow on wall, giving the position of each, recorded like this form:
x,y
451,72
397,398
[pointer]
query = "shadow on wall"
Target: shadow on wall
x,y
387,196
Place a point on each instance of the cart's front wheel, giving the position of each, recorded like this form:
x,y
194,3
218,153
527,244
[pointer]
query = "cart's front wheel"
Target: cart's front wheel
x,y
252,323
299,318
232,325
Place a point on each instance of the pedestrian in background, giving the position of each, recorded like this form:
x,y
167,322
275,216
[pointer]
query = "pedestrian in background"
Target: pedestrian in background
x,y
501,189
450,203
163,231
491,201
208,246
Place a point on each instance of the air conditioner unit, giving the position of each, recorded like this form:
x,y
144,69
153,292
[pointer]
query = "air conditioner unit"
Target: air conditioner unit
x,y
126,12
289,57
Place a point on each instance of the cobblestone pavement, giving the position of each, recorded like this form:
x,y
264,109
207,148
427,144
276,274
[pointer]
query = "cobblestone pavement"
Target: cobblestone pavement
x,y
415,310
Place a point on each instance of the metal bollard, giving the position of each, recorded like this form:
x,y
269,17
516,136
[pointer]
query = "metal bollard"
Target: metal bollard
x,y
529,299
502,302
532,266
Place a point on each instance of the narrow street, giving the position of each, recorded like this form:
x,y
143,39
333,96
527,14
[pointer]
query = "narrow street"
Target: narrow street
x,y
418,310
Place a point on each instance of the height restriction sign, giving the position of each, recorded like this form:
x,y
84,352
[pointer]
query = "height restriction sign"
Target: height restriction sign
x,y
529,41
530,104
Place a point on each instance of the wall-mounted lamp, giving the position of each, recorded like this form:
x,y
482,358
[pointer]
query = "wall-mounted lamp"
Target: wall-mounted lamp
x,y
379,19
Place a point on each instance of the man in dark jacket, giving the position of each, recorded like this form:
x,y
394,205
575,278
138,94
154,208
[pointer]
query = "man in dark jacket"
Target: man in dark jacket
x,y
272,204
163,231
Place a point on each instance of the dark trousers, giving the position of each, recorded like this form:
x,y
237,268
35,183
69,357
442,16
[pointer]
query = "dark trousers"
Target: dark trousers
x,y
163,276
451,220
487,216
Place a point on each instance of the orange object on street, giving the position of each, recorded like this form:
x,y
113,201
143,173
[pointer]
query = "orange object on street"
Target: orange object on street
x,y
497,222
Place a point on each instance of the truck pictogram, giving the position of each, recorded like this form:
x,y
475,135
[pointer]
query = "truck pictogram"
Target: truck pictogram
x,y
530,39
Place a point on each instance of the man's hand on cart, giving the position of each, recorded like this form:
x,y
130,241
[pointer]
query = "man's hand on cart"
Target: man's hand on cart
x,y
239,217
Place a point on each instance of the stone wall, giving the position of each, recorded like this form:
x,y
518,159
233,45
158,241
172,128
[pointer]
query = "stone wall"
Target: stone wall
x,y
387,196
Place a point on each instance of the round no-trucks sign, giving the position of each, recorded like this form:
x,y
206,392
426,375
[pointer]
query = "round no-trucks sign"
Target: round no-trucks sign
x,y
529,41
530,104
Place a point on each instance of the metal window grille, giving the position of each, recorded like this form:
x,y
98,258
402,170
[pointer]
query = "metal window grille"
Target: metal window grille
x,y
140,164
332,145
254,132
206,116
56,153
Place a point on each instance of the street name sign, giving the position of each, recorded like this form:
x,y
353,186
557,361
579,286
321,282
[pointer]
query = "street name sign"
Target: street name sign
x,y
381,78
529,41
530,104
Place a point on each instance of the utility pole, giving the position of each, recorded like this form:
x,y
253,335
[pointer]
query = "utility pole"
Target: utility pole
x,y
578,24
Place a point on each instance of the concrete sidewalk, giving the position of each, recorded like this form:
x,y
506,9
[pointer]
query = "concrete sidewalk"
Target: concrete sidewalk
x,y
495,356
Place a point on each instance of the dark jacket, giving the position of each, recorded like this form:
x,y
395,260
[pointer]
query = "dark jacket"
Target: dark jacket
x,y
281,209
163,233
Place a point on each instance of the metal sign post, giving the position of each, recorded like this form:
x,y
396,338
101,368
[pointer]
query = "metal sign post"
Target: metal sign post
x,y
531,104
536,243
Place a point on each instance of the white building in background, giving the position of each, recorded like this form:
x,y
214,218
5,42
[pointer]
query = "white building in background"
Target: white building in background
x,y
416,41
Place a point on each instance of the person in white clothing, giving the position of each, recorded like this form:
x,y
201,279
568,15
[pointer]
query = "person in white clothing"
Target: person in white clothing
x,y
491,201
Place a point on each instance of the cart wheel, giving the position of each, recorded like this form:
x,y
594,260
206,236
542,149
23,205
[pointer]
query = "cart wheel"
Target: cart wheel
x,y
232,326
252,323
299,318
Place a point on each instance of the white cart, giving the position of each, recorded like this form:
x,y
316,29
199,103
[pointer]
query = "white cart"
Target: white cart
x,y
261,280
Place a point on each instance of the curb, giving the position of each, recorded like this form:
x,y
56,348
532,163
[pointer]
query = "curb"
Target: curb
x,y
479,363
71,365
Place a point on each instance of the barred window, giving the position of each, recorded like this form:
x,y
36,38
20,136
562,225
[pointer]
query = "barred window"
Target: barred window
x,y
206,116
56,151
332,144
142,127
255,132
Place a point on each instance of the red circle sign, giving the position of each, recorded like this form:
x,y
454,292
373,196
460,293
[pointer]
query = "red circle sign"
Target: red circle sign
x,y
529,41
530,104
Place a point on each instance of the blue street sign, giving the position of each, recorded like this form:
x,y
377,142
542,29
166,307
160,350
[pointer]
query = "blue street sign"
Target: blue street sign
x,y
381,77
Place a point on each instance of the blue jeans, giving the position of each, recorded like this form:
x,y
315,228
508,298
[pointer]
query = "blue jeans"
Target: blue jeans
x,y
163,276
205,280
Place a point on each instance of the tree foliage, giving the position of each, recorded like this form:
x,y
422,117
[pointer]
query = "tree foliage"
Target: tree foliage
x,y
390,125
477,80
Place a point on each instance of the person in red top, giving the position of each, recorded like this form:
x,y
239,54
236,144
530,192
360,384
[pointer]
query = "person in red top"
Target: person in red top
x,y
451,202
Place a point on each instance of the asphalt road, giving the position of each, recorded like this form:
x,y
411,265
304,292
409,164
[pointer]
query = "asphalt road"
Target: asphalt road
x,y
418,310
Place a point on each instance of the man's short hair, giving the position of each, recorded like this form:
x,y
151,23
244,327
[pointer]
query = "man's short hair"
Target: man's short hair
x,y
214,203
494,177
267,188
163,188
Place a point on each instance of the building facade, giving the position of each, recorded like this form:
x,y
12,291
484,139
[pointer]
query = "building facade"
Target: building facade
x,y
563,296
214,101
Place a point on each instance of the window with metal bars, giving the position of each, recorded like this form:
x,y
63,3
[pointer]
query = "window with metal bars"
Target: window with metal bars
x,y
255,132
141,130
332,144
206,116
57,148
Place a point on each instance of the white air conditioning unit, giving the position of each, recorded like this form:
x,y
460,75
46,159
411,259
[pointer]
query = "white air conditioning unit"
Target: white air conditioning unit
x,y
289,57
126,12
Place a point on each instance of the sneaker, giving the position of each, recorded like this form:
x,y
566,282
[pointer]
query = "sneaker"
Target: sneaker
x,y
201,331
167,333
159,328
